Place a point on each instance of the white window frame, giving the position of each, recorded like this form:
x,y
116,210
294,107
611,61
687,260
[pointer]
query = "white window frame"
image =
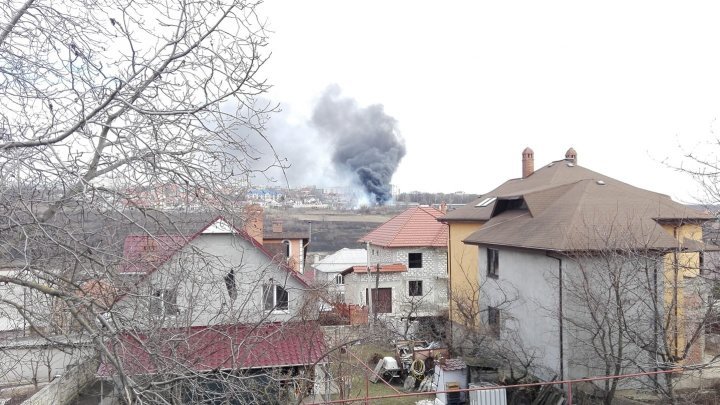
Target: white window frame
x,y
274,288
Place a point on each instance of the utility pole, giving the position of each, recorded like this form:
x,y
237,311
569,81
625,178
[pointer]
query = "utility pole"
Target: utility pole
x,y
369,289
377,288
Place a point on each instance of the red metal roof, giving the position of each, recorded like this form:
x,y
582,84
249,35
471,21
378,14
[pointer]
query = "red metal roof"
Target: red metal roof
x,y
416,227
218,347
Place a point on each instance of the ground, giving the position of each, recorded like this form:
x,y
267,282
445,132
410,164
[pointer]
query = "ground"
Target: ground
x,y
349,364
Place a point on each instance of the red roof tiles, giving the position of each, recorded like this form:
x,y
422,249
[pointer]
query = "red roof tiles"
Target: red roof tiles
x,y
415,227
219,347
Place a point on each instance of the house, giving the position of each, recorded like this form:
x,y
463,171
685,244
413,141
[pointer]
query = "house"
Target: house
x,y
218,275
328,271
408,263
287,241
549,248
211,302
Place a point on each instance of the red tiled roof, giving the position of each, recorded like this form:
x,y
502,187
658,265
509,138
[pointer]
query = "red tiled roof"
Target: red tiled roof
x,y
218,347
384,268
416,227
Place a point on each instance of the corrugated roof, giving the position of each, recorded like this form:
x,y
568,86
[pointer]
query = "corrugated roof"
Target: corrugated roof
x,y
415,227
218,347
567,207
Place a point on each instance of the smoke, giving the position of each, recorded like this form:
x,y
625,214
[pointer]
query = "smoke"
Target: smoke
x,y
365,142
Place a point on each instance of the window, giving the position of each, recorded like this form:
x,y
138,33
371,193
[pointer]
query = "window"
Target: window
x,y
230,285
164,303
493,256
494,321
415,288
287,248
275,297
415,260
339,280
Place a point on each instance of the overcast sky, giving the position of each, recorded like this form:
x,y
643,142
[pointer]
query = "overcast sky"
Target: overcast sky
x,y
627,84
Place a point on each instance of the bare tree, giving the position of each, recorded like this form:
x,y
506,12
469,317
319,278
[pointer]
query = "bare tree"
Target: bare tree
x,y
104,103
483,329
629,306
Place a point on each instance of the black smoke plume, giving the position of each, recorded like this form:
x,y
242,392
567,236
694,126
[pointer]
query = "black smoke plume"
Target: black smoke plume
x,y
365,141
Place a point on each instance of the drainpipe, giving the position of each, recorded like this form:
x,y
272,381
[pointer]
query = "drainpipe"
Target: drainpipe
x,y
560,313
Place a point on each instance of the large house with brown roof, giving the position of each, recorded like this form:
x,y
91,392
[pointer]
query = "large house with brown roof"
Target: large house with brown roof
x,y
408,261
537,252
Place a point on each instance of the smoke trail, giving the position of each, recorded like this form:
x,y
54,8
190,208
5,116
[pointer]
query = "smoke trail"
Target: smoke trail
x,y
365,141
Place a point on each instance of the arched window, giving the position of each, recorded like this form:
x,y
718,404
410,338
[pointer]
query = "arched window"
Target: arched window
x,y
339,279
287,248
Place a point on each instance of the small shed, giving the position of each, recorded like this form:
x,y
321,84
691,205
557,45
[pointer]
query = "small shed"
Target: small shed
x,y
451,374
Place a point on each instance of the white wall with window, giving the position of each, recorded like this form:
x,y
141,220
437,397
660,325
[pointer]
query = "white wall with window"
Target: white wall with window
x,y
218,278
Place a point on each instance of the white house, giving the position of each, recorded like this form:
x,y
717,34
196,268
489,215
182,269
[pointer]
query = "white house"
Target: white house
x,y
328,271
410,252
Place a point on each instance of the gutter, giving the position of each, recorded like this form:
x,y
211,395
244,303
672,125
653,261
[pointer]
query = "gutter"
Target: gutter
x,y
560,313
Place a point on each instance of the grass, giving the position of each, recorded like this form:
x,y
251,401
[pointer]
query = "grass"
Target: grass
x,y
358,375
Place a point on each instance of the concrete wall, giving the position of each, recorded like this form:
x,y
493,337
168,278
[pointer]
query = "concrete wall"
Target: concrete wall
x,y
66,387
31,360
525,293
433,275
198,274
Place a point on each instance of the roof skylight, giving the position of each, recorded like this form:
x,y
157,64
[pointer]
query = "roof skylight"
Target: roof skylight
x,y
486,202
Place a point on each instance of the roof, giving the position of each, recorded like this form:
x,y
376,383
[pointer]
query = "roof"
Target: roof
x,y
564,207
384,268
218,347
452,364
144,254
341,259
415,227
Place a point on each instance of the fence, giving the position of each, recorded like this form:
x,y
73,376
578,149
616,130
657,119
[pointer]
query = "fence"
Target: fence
x,y
566,384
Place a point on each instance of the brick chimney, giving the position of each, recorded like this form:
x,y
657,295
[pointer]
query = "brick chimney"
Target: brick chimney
x,y
254,216
277,226
528,162
443,207
571,156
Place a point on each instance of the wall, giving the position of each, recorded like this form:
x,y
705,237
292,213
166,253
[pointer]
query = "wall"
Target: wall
x,y
29,360
525,278
433,275
65,388
198,273
463,262
683,291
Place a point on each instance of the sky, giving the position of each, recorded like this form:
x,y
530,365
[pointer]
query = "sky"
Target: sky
x,y
632,86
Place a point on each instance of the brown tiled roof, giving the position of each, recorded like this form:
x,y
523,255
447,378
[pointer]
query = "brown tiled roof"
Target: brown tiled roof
x,y
568,207
416,227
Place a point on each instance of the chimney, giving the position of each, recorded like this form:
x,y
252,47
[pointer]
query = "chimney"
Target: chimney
x,y
277,226
571,156
443,207
528,162
254,222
